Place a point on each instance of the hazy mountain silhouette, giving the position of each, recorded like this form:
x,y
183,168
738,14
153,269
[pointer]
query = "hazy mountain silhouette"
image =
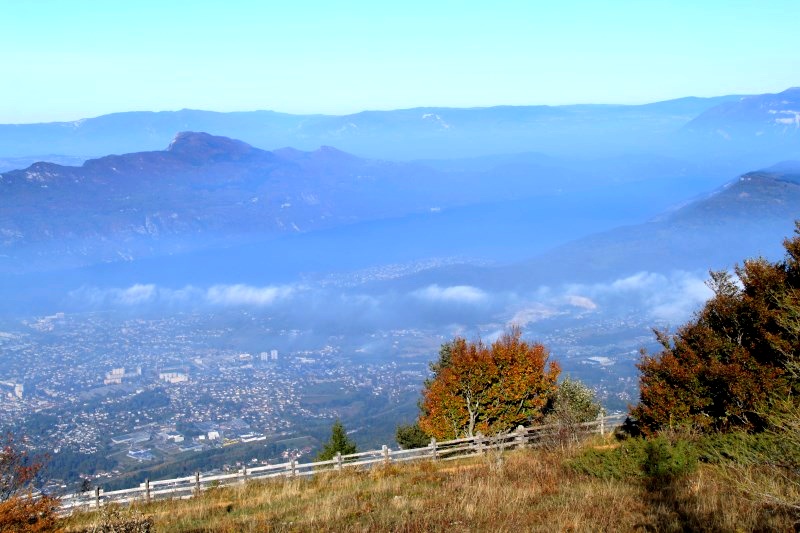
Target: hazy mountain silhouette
x,y
430,132
747,217
201,189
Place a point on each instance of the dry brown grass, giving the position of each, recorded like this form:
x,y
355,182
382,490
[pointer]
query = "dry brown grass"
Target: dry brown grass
x,y
529,490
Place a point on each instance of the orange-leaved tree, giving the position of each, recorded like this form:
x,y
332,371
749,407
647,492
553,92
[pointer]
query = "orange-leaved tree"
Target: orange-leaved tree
x,y
488,389
20,509
718,371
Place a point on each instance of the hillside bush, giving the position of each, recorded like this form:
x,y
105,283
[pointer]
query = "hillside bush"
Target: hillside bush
x,y
572,404
721,370
655,460
665,462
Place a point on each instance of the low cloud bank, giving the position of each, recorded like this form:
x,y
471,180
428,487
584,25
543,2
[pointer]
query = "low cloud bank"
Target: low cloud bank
x,y
152,295
246,295
455,294
660,298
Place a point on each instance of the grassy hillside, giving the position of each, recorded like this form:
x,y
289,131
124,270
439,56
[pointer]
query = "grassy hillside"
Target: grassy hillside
x,y
604,485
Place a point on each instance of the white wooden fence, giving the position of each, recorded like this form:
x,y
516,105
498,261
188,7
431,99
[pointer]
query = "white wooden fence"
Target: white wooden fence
x,y
186,487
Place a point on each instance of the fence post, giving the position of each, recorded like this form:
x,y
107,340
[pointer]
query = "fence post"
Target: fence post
x,y
294,466
197,483
147,490
479,442
521,436
244,474
97,497
432,446
386,454
338,461
602,425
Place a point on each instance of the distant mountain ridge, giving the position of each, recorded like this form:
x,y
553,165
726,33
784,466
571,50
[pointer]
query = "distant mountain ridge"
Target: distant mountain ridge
x,y
767,112
206,191
768,124
748,217
428,132
203,188
211,193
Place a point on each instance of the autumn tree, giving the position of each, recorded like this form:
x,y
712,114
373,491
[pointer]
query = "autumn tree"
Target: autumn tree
x,y
475,387
20,508
718,371
338,443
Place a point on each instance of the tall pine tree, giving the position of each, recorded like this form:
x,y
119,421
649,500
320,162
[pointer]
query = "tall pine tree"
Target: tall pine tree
x,y
339,442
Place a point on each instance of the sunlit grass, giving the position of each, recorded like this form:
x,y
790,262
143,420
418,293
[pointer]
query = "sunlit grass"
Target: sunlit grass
x,y
526,490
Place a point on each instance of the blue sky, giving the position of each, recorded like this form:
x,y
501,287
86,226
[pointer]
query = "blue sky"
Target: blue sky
x,y
64,60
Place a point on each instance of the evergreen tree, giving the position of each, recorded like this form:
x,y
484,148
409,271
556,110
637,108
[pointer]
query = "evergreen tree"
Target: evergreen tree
x,y
339,442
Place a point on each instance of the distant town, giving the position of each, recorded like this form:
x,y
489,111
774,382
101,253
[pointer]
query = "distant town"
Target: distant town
x,y
146,391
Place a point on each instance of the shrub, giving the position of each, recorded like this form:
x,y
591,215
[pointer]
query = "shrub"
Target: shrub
x,y
664,462
410,436
24,512
656,460
572,404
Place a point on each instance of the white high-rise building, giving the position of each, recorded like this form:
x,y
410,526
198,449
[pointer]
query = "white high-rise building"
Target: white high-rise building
x,y
274,354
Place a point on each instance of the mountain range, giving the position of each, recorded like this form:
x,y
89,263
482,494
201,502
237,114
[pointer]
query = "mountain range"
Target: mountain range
x,y
434,132
202,187
747,217
205,192
210,209
767,117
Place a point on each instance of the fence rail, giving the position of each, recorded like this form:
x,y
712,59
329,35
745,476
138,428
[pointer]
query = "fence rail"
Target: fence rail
x,y
188,486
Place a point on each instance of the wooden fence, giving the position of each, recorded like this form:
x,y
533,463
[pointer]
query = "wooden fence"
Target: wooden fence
x,y
186,487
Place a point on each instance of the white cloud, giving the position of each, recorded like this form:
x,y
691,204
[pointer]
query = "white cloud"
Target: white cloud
x,y
246,294
136,294
672,297
684,296
142,294
638,281
456,293
583,302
